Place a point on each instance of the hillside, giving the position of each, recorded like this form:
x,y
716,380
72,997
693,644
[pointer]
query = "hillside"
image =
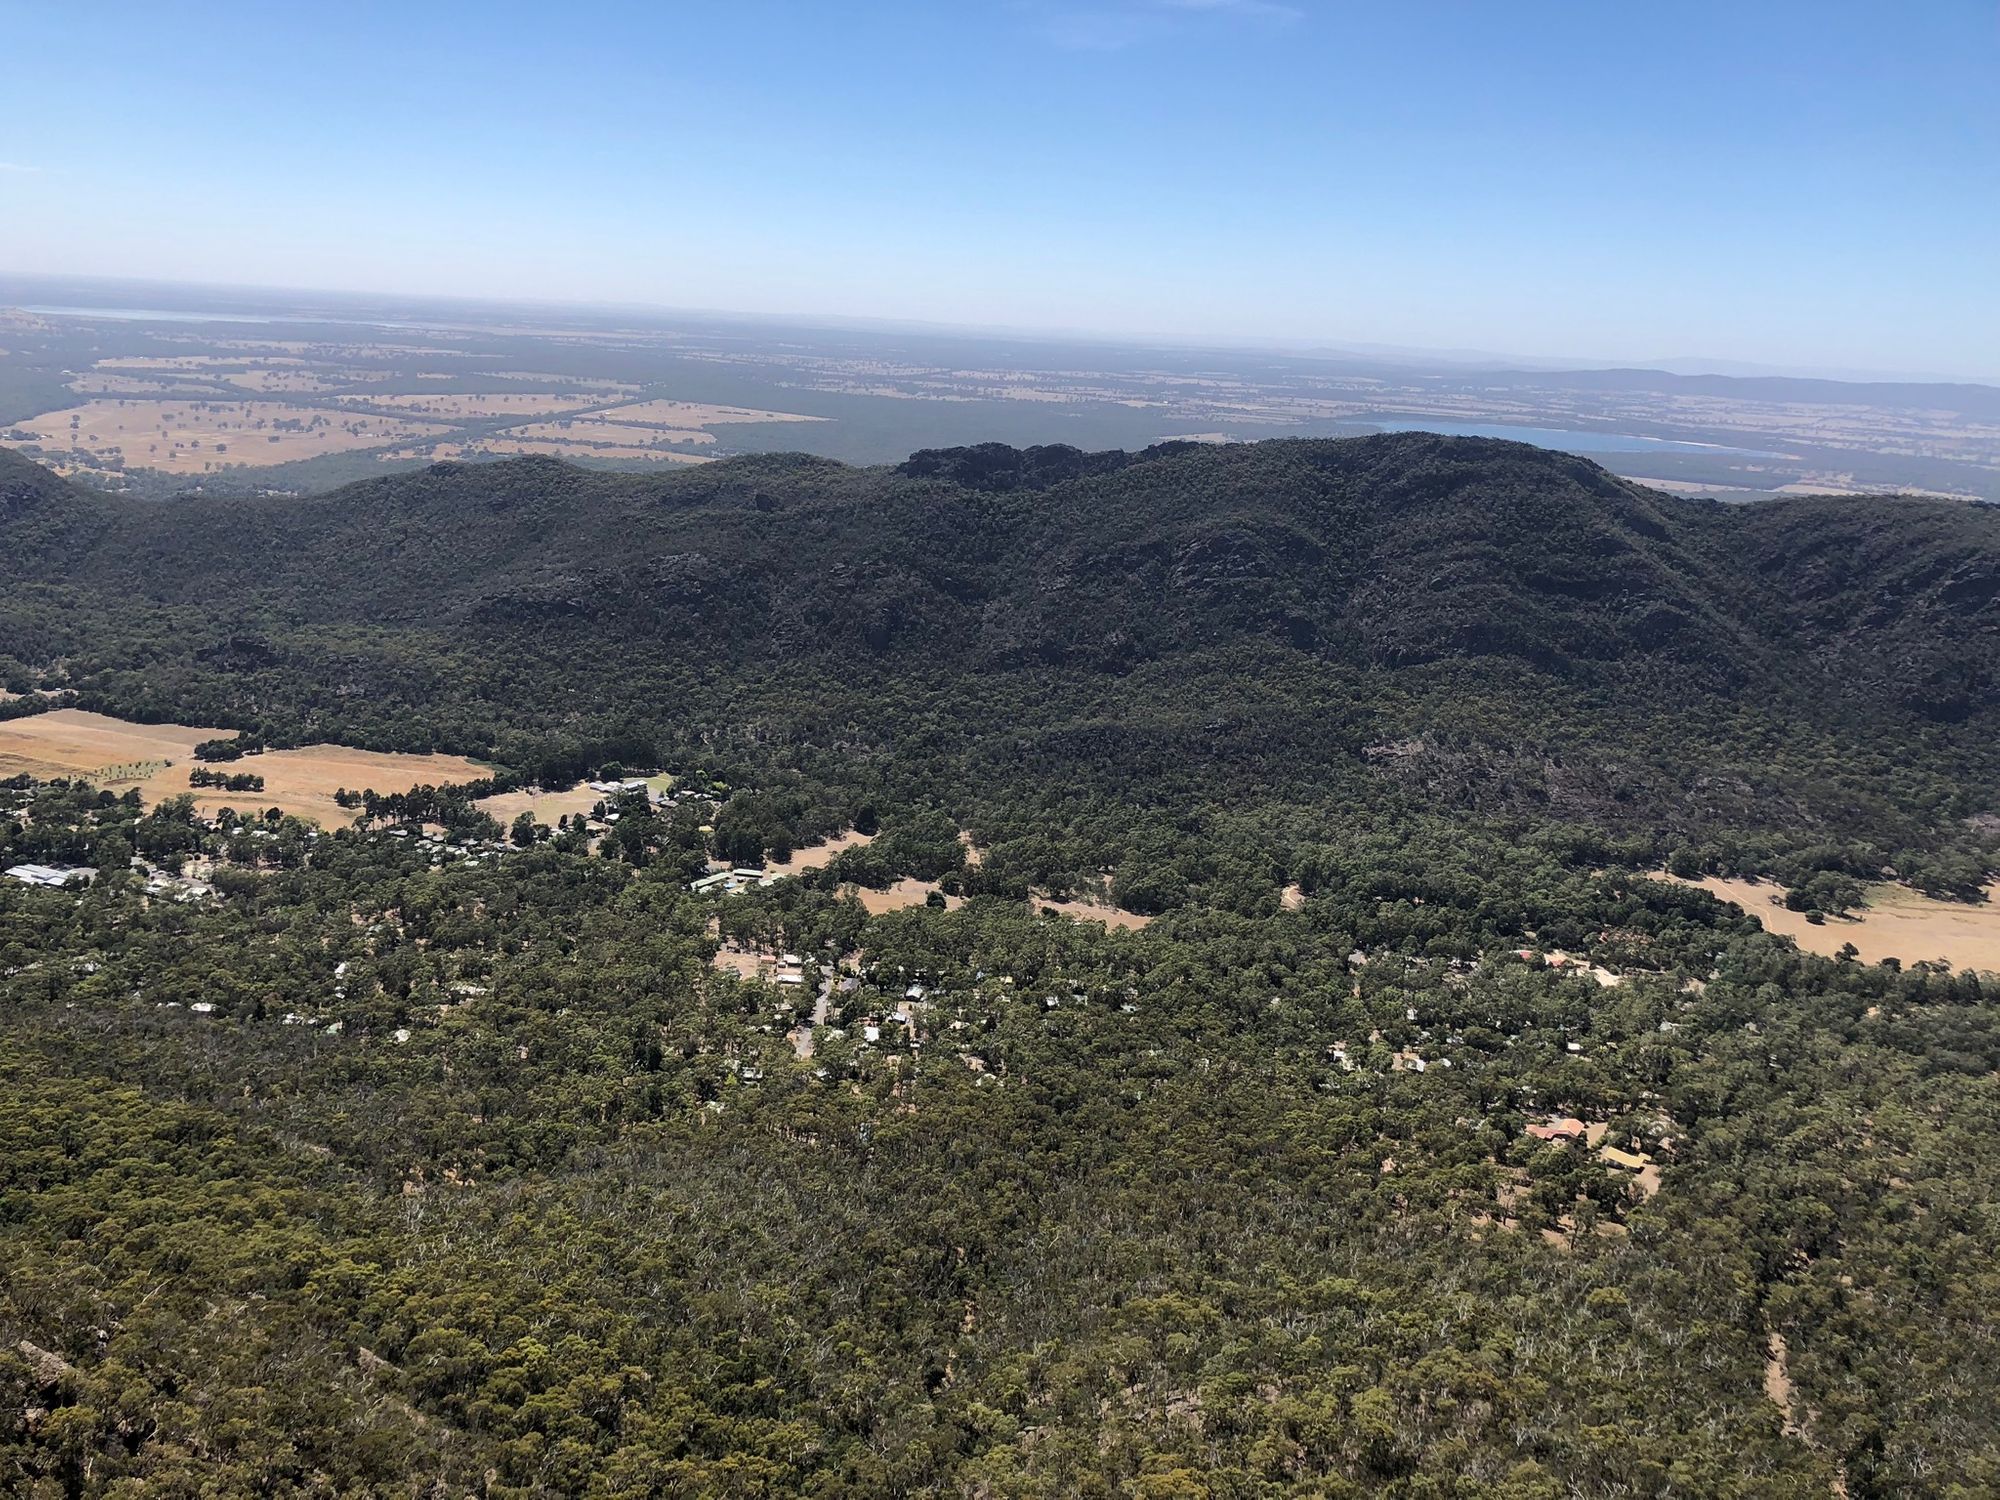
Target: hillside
x,y
1384,551
1554,640
1399,1135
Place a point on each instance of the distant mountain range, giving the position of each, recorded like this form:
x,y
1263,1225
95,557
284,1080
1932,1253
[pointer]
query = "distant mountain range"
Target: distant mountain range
x,y
1185,626
1381,552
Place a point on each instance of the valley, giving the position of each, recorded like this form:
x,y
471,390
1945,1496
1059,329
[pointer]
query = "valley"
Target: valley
x,y
296,395
1016,942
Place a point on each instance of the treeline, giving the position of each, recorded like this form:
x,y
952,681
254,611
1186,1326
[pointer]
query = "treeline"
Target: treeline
x,y
245,781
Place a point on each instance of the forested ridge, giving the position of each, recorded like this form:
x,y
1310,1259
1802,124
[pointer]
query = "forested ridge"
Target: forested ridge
x,y
423,1158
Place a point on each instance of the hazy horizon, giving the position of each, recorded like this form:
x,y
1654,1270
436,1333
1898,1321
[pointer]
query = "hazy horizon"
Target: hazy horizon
x,y
1805,189
1415,356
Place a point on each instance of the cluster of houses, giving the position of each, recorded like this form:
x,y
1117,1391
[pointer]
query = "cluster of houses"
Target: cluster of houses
x,y
441,847
622,788
54,877
721,880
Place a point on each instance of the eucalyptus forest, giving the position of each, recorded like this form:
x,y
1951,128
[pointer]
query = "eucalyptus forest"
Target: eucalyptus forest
x,y
1158,974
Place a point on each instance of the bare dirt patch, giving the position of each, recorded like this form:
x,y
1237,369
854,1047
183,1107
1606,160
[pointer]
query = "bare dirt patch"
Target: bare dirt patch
x,y
70,742
455,408
1094,911
821,855
595,432
546,807
198,435
156,758
292,382
696,414
506,448
96,384
1897,923
302,782
904,894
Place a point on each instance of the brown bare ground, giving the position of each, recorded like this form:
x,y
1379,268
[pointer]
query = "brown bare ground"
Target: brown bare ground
x,y
70,742
94,384
302,782
294,382
500,447
1094,911
452,408
821,855
1897,923
904,894
595,430
198,435
547,807
696,414
156,758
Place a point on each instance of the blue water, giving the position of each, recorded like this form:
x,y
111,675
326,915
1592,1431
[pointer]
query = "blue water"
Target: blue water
x,y
1564,439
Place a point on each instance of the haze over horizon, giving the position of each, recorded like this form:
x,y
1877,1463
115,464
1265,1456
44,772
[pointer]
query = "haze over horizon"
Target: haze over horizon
x,y
1806,189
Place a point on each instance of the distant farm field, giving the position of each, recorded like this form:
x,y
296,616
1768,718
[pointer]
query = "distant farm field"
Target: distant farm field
x,y
694,414
544,807
594,430
1897,923
156,758
457,408
302,782
193,436
70,742
509,447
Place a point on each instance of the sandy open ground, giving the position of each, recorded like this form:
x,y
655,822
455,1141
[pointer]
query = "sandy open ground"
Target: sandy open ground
x,y
596,431
70,742
1897,923
292,382
904,894
156,758
193,361
98,384
458,408
195,435
695,414
1091,911
547,807
503,447
821,855
302,782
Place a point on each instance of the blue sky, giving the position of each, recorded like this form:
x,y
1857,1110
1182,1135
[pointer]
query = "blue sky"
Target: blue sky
x,y
1812,185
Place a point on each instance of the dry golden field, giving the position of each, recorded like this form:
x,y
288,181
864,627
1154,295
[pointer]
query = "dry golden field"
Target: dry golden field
x,y
302,782
156,758
199,435
444,452
98,383
1897,923
1094,911
459,408
904,894
197,363
685,414
819,856
70,742
599,433
292,382
546,807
